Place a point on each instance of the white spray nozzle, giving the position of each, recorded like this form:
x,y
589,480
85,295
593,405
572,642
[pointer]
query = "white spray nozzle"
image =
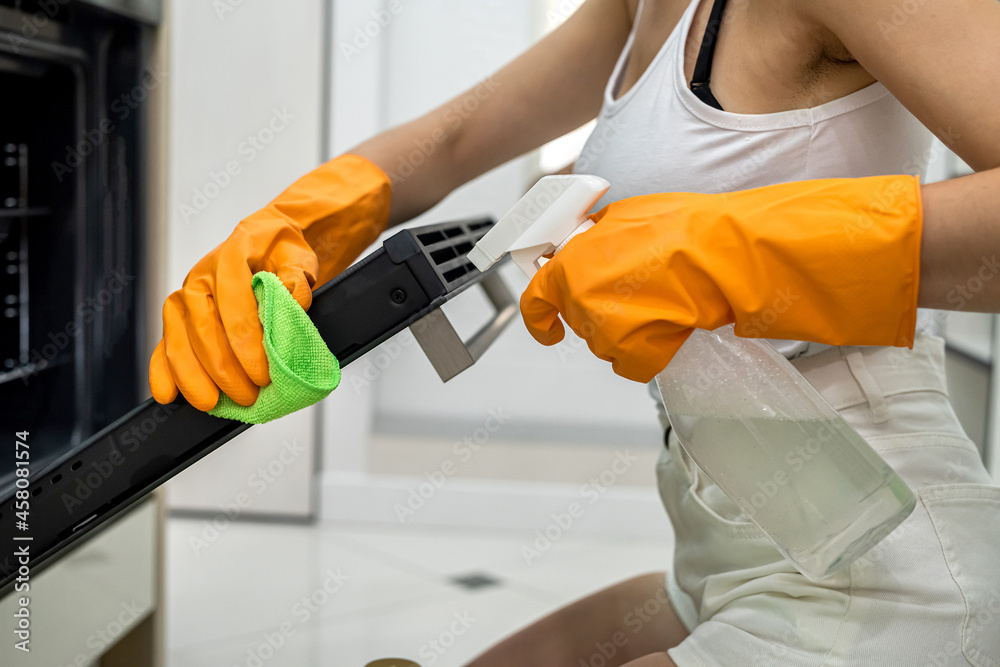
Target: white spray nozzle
x,y
552,211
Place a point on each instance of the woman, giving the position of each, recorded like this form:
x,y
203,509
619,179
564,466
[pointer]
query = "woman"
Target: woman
x,y
804,125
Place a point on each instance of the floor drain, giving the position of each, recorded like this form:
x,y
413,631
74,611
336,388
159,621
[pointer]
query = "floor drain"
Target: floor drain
x,y
475,580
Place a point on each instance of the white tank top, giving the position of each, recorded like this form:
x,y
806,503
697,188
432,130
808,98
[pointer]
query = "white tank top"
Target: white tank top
x,y
659,137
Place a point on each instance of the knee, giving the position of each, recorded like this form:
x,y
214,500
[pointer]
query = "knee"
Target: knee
x,y
648,584
652,660
649,578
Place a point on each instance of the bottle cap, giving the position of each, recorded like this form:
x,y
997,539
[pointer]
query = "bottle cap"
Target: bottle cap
x,y
541,222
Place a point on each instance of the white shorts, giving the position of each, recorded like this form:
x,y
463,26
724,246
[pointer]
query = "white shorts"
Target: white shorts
x,y
929,594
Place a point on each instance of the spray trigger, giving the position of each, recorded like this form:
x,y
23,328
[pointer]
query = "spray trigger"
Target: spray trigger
x,y
553,211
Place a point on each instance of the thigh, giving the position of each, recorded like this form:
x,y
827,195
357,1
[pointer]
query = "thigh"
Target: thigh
x,y
653,660
609,628
929,594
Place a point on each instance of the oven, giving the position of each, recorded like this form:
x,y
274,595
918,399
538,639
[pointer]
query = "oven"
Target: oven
x,y
73,82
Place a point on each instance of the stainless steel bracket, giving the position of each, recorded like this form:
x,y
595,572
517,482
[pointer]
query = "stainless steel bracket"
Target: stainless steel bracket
x,y
447,352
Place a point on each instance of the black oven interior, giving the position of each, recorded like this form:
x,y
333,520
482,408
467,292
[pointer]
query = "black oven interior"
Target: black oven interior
x,y
73,84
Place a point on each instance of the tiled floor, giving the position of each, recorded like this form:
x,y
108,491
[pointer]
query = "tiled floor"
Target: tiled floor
x,y
522,460
273,595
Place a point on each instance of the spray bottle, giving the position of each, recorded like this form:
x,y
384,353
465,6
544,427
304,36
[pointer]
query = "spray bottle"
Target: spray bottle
x,y
742,411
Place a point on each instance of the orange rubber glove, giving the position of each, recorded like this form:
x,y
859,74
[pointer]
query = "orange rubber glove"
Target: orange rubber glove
x,y
833,261
212,337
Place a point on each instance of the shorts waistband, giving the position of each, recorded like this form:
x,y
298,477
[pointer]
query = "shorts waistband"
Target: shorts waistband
x,y
850,375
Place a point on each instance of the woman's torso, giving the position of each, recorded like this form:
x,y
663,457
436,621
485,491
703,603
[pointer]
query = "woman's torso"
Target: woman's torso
x,y
822,119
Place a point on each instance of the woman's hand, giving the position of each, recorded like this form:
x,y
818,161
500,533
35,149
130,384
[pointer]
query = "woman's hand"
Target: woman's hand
x,y
212,337
834,261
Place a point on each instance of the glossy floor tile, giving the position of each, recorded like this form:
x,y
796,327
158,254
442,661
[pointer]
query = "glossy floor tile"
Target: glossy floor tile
x,y
511,459
270,595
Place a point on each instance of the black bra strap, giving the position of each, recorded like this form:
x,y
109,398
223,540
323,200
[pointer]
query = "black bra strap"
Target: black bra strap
x,y
703,66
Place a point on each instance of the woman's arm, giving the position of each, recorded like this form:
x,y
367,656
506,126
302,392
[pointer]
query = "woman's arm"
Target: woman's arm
x,y
551,89
960,250
942,61
311,232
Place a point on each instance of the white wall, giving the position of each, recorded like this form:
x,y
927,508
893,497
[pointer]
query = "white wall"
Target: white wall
x,y
429,52
385,73
252,71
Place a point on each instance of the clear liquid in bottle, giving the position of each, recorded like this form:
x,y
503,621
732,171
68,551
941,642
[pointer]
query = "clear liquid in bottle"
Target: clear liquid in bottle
x,y
767,438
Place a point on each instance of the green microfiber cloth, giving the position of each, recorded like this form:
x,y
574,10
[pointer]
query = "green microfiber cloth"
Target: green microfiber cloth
x,y
303,370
